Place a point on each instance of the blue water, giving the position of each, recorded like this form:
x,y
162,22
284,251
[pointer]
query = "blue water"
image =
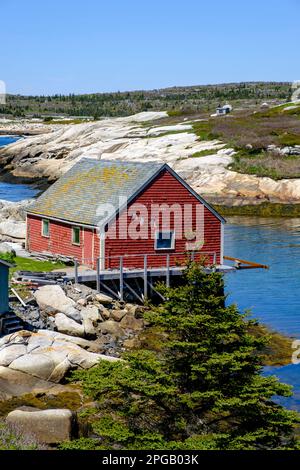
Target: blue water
x,y
14,192
8,140
274,295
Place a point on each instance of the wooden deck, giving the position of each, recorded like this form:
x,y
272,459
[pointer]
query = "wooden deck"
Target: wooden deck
x,y
90,275
140,283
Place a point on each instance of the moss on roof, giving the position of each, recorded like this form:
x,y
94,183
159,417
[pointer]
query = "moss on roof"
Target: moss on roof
x,y
77,195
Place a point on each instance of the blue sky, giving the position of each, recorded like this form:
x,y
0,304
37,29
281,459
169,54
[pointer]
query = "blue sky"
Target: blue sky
x,y
69,46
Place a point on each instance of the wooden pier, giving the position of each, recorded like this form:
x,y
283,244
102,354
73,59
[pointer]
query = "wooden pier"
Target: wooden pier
x,y
140,282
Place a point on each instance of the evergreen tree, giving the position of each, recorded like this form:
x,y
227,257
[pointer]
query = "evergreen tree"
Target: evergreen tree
x,y
200,387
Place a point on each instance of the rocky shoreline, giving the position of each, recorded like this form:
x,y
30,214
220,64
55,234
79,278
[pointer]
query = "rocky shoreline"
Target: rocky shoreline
x,y
143,137
68,328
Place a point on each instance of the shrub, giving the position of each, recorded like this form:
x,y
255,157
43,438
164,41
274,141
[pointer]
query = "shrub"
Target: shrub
x,y
13,438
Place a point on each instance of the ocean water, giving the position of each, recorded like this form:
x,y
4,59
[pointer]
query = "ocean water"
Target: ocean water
x,y
5,140
14,192
272,295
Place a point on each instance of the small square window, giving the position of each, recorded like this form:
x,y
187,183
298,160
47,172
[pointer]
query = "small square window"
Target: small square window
x,y
76,236
45,228
165,240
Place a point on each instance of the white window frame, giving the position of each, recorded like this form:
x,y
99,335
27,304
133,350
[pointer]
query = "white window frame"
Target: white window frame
x,y
172,247
43,232
73,238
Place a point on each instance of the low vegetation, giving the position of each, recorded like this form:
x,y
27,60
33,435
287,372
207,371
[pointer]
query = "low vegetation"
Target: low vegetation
x,y
197,386
178,101
266,163
29,264
204,153
13,438
265,209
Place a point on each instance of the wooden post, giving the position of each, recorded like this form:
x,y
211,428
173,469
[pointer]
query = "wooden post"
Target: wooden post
x,y
98,275
121,279
76,271
168,271
145,277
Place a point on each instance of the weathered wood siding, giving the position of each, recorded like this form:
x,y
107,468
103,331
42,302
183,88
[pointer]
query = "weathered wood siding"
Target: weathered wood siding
x,y
165,189
59,241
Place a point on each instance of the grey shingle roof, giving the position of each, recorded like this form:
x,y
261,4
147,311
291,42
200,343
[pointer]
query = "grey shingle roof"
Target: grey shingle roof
x,y
76,196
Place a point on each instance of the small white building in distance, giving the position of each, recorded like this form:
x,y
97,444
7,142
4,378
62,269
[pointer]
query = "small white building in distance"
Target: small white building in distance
x,y
221,110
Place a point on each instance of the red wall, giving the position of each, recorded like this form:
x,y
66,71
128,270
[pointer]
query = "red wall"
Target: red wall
x,y
164,189
60,240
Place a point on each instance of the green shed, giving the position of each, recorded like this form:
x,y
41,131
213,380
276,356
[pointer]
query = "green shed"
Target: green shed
x,y
4,277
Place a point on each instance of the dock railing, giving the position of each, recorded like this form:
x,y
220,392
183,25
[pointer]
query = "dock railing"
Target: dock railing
x,y
170,261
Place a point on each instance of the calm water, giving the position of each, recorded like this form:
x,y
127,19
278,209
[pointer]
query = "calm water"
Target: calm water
x,y
274,295
14,192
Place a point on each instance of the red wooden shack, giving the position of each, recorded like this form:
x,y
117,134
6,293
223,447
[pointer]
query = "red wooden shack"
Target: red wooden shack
x,y
107,209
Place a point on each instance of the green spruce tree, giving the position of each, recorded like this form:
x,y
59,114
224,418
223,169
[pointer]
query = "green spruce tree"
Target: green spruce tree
x,y
200,387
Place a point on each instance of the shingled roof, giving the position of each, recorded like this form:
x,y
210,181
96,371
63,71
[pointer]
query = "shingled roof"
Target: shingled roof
x,y
76,196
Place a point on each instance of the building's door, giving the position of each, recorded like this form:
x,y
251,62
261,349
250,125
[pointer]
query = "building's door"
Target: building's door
x,y
88,255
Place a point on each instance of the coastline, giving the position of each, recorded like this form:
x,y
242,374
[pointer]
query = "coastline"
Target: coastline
x,y
265,209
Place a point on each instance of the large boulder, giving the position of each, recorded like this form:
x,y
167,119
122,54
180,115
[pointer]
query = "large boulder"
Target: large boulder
x,y
10,230
111,327
39,365
14,383
11,353
91,313
54,297
47,355
68,326
90,319
103,299
129,322
48,426
117,315
6,248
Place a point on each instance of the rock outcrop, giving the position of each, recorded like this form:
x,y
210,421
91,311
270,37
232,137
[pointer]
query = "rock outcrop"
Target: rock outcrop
x,y
12,221
47,355
47,426
138,138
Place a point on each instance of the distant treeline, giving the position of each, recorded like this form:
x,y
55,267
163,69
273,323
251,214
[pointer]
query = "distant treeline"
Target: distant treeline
x,y
195,99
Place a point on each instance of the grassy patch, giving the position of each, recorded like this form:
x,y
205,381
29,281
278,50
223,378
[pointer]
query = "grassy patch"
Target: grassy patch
x,y
163,134
263,163
266,209
289,139
68,399
204,130
279,350
29,264
280,110
204,153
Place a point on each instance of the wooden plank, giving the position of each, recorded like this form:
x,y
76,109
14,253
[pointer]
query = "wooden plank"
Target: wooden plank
x,y
18,297
168,271
154,290
133,292
145,277
98,275
250,264
121,279
76,271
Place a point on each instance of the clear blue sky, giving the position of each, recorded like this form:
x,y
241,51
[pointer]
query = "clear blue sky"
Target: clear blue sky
x,y
70,46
